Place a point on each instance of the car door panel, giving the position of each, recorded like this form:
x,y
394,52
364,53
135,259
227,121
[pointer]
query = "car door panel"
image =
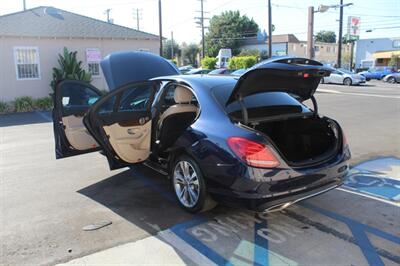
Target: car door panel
x,y
72,99
77,134
124,131
130,143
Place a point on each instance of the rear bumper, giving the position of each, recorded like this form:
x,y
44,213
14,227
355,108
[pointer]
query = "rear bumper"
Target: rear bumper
x,y
267,190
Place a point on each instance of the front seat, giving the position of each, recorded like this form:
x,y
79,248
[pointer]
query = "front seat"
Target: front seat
x,y
177,118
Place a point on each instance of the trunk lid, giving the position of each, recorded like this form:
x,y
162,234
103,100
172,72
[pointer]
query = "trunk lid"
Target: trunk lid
x,y
299,76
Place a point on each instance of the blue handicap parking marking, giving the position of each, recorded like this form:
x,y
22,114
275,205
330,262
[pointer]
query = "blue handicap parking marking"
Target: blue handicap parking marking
x,y
379,178
245,238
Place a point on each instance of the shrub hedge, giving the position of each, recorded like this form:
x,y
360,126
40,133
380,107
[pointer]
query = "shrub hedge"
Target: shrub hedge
x,y
26,104
208,62
238,62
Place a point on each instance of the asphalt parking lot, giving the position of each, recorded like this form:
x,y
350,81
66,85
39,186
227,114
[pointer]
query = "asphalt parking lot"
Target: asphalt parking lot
x,y
46,203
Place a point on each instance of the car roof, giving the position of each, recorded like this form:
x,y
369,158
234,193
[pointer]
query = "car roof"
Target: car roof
x,y
205,81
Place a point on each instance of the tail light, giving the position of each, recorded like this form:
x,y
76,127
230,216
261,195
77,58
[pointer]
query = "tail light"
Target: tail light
x,y
253,153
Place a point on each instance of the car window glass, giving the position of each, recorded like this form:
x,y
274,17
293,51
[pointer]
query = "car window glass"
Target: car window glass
x,y
108,106
169,99
136,98
77,97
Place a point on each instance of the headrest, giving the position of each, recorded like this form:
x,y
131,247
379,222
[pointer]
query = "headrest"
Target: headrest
x,y
182,95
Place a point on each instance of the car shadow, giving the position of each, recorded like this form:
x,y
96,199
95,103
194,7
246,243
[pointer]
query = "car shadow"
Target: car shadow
x,y
17,119
144,198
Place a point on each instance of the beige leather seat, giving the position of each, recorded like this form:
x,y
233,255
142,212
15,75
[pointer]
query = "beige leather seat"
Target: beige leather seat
x,y
174,121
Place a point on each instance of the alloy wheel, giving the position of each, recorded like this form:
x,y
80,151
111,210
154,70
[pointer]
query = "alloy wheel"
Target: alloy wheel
x,y
186,184
347,82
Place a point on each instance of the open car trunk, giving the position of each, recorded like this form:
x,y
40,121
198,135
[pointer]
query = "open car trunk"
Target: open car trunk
x,y
303,141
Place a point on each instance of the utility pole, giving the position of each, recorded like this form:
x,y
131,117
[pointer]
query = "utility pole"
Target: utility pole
x,y
339,58
202,31
137,16
269,30
172,45
107,11
160,27
200,22
351,55
24,3
310,40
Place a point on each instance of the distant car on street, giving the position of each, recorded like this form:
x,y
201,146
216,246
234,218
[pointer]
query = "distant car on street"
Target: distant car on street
x,y
184,69
239,72
343,76
377,72
392,78
221,71
197,71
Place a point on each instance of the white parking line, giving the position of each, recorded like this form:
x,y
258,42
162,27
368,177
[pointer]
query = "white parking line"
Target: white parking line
x,y
185,248
370,197
359,94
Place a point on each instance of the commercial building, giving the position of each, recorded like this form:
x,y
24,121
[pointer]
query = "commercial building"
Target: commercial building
x,y
368,51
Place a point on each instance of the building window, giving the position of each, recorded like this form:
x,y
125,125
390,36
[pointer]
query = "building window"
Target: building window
x,y
93,57
27,63
316,48
328,49
94,68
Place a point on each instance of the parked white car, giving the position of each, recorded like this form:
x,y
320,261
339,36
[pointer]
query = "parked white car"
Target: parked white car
x,y
343,76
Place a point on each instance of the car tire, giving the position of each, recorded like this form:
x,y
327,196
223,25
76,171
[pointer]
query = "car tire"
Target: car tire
x,y
347,81
391,80
190,188
322,81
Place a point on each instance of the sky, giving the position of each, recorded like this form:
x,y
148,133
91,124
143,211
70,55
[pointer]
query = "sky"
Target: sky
x,y
288,16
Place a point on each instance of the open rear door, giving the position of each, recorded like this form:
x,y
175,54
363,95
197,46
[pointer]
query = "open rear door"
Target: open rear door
x,y
121,123
72,99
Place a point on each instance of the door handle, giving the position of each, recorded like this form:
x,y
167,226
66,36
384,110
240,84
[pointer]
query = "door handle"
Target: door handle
x,y
131,131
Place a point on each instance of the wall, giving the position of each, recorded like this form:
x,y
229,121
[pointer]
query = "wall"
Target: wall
x,y
324,52
49,49
277,48
366,48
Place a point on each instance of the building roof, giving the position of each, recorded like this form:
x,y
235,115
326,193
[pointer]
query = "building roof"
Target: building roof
x,y
46,21
280,38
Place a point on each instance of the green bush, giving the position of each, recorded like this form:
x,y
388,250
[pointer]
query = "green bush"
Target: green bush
x,y
23,104
250,52
69,68
238,62
208,62
5,107
45,103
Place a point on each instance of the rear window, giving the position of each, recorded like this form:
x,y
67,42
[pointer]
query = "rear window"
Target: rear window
x,y
260,105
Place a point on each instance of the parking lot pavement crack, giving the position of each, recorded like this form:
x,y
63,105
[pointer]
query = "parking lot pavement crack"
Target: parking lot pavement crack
x,y
323,228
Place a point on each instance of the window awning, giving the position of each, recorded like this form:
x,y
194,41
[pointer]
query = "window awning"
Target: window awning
x,y
386,54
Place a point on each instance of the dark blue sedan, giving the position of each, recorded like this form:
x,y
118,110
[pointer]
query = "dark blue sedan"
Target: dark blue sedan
x,y
248,141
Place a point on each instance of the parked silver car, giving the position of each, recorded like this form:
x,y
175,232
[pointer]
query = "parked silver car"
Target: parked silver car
x,y
343,76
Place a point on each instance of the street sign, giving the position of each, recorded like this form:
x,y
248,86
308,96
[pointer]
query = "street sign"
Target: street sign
x,y
353,28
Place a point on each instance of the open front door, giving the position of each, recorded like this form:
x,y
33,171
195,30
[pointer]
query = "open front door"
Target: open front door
x,y
72,99
121,123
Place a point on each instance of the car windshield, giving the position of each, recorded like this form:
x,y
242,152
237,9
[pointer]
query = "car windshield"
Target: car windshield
x,y
239,72
259,105
345,71
216,71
